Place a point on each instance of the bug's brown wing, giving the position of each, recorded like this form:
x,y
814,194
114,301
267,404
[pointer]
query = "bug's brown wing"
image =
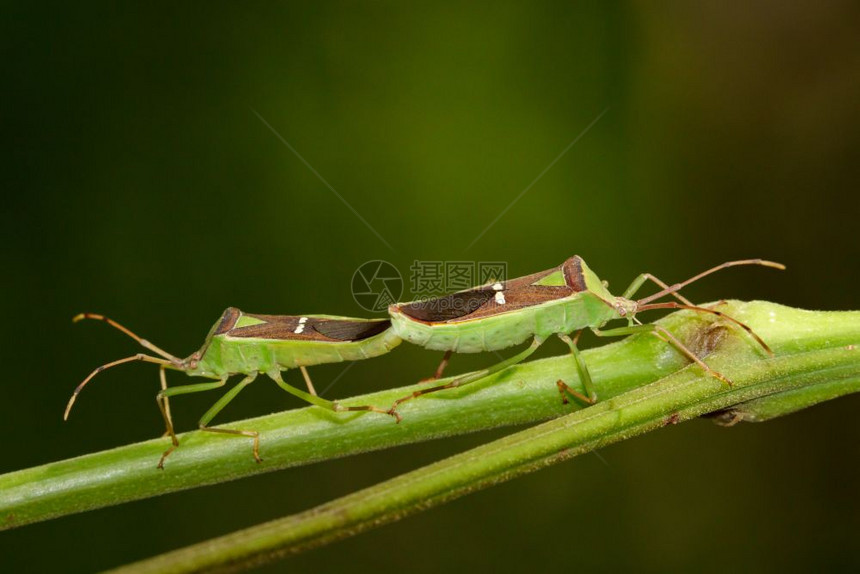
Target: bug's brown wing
x,y
227,321
501,297
350,330
572,269
448,307
271,327
520,298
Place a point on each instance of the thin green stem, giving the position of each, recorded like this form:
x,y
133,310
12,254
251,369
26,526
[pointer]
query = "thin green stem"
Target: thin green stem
x,y
813,349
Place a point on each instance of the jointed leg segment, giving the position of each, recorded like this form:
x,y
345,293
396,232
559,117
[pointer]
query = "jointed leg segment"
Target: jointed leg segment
x,y
308,381
744,326
311,398
220,404
163,406
470,378
143,342
319,401
639,281
584,375
673,289
441,368
672,340
207,417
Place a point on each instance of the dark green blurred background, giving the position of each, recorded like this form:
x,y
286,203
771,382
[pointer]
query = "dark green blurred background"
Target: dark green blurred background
x,y
138,182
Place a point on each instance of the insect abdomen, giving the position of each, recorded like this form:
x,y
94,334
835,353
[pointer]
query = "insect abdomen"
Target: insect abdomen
x,y
503,330
488,334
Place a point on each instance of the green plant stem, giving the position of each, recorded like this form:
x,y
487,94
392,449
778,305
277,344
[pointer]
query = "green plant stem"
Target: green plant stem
x,y
810,347
685,395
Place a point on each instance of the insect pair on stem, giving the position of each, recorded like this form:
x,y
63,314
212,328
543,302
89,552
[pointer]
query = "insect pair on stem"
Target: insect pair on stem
x,y
562,301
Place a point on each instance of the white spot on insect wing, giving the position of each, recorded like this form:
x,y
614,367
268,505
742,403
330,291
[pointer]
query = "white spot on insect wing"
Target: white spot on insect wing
x,y
301,326
500,297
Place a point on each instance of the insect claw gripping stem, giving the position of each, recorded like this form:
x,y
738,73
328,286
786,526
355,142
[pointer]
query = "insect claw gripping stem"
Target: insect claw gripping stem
x,y
561,387
164,456
393,412
565,390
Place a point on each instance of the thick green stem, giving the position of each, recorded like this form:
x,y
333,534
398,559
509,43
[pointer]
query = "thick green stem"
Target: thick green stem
x,y
806,370
813,349
683,396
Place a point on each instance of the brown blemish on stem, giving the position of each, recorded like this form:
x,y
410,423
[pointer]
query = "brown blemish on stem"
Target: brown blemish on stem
x,y
726,418
672,419
706,340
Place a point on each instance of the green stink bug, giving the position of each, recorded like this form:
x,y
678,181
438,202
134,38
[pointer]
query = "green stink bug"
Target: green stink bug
x,y
249,344
561,301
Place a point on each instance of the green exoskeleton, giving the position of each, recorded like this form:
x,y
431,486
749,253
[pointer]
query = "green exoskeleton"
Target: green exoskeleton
x,y
248,344
561,301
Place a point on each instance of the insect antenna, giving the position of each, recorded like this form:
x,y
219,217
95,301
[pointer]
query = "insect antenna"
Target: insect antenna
x,y
138,357
678,286
674,305
143,342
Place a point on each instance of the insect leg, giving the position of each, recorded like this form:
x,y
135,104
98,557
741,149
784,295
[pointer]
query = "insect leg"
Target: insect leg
x,y
308,382
591,396
220,404
744,326
672,340
163,405
639,281
439,370
319,401
470,378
